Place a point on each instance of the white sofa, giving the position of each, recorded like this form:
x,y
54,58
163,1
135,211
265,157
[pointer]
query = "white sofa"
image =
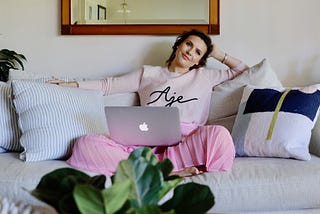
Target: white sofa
x,y
254,184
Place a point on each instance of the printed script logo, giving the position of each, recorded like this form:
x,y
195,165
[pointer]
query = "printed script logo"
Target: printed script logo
x,y
169,100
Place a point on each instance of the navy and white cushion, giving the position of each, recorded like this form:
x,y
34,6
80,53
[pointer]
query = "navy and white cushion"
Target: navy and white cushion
x,y
226,97
276,122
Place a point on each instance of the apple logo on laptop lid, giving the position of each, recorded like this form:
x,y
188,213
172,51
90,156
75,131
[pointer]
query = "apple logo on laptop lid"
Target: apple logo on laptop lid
x,y
144,127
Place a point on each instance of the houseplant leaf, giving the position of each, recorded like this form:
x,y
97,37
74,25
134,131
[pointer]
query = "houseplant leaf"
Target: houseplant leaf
x,y
196,198
88,199
116,196
164,166
12,57
138,185
152,209
146,181
67,205
9,60
97,181
144,153
53,186
56,187
145,172
167,186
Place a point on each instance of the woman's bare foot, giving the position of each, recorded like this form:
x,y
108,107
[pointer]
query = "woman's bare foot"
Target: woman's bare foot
x,y
189,171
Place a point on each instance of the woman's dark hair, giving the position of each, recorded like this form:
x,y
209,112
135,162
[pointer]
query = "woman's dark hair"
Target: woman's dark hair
x,y
184,36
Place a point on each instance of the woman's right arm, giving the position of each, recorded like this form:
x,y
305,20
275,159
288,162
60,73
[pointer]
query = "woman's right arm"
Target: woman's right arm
x,y
129,82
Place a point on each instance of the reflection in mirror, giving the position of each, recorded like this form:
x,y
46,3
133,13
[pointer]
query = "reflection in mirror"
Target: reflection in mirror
x,y
139,17
140,12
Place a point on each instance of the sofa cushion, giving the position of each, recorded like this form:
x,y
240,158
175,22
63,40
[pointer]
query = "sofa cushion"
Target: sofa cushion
x,y
225,98
314,146
10,133
52,117
18,177
276,122
253,184
264,185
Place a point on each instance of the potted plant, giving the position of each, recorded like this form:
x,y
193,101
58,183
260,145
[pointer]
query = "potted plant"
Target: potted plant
x,y
10,60
138,185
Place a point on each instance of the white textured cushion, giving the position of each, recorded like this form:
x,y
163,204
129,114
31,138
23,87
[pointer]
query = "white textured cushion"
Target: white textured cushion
x,y
10,133
52,117
226,97
276,122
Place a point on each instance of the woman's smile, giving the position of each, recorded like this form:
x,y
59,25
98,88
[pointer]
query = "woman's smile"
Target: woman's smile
x,y
185,57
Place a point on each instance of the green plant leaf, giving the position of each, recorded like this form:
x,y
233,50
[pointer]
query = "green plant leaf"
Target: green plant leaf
x,y
138,185
55,185
165,167
98,181
116,196
10,60
144,153
196,198
5,66
152,209
12,56
167,186
146,181
88,199
68,205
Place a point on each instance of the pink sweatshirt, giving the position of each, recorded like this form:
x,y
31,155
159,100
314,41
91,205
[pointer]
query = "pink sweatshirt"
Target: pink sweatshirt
x,y
157,86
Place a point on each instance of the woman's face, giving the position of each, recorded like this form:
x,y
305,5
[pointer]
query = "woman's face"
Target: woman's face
x,y
190,52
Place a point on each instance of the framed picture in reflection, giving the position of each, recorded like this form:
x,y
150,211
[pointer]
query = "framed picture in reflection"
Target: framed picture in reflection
x,y
102,12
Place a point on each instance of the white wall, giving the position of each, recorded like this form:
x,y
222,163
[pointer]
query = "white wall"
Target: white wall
x,y
285,31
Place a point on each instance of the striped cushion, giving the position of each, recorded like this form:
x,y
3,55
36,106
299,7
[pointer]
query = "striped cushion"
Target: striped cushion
x,y
51,117
276,122
9,134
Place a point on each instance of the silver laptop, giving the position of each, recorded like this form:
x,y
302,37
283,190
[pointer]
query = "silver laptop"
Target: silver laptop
x,y
143,126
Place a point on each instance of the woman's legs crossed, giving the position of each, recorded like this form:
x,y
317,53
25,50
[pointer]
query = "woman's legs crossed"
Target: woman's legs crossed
x,y
98,153
208,146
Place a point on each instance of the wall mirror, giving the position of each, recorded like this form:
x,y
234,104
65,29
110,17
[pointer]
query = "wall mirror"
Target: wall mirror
x,y
138,17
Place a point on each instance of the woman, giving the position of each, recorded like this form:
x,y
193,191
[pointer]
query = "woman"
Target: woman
x,y
183,83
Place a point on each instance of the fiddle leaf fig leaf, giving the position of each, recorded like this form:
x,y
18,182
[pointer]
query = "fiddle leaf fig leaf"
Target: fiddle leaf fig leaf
x,y
144,153
196,198
137,187
68,205
146,181
88,199
55,187
167,186
98,181
58,183
152,209
116,196
165,167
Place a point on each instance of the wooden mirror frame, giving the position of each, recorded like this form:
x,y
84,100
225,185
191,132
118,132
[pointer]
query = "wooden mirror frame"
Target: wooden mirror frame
x,y
137,29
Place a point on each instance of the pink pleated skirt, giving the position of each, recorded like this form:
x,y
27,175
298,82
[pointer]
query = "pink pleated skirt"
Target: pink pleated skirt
x,y
208,147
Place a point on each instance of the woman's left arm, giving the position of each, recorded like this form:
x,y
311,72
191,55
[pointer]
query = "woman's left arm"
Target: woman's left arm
x,y
225,58
236,66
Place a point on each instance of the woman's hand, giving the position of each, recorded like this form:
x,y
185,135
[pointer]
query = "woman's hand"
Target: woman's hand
x,y
216,53
189,171
74,84
223,57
